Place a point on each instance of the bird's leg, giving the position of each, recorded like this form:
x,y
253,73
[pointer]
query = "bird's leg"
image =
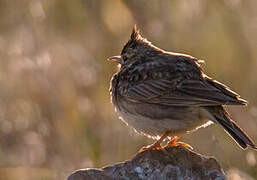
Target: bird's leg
x,y
157,144
173,142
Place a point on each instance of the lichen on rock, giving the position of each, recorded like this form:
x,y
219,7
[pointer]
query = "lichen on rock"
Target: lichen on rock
x,y
169,163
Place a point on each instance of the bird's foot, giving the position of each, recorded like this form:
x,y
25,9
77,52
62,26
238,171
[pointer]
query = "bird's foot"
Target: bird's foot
x,y
155,146
173,142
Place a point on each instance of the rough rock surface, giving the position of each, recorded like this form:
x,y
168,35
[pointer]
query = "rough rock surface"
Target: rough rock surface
x,y
177,163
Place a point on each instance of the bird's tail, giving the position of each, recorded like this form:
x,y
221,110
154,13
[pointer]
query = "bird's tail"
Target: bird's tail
x,y
223,118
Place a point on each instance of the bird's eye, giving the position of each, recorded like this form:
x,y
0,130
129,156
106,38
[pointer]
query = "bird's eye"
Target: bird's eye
x,y
124,57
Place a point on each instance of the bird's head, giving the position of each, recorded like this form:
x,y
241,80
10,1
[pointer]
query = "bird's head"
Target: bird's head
x,y
136,48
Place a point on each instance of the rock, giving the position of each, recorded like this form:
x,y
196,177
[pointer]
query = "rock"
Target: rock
x,y
170,163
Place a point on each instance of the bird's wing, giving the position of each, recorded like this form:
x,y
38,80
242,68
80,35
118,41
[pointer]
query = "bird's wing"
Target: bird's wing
x,y
182,92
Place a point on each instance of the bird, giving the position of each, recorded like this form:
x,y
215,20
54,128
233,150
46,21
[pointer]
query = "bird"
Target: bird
x,y
164,94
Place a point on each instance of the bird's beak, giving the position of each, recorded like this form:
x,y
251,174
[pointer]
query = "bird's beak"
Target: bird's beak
x,y
117,59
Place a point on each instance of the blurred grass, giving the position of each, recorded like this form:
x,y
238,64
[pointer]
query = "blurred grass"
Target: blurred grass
x,y
55,110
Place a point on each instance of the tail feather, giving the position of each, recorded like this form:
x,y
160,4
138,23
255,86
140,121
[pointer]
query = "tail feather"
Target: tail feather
x,y
223,118
238,134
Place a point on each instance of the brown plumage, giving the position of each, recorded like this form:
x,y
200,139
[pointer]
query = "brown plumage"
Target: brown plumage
x,y
161,93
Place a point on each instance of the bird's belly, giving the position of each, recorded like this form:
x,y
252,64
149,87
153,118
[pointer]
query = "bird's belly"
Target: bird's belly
x,y
155,128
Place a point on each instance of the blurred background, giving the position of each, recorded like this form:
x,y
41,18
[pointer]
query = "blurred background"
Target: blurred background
x,y
55,110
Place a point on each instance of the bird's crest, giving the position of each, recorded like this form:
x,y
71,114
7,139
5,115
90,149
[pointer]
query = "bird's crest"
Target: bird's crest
x,y
135,35
135,38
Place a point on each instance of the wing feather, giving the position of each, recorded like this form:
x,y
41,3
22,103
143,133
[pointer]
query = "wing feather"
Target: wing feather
x,y
176,81
177,92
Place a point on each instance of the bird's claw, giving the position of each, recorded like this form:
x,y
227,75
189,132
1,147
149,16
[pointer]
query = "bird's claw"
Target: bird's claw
x,y
151,147
173,142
